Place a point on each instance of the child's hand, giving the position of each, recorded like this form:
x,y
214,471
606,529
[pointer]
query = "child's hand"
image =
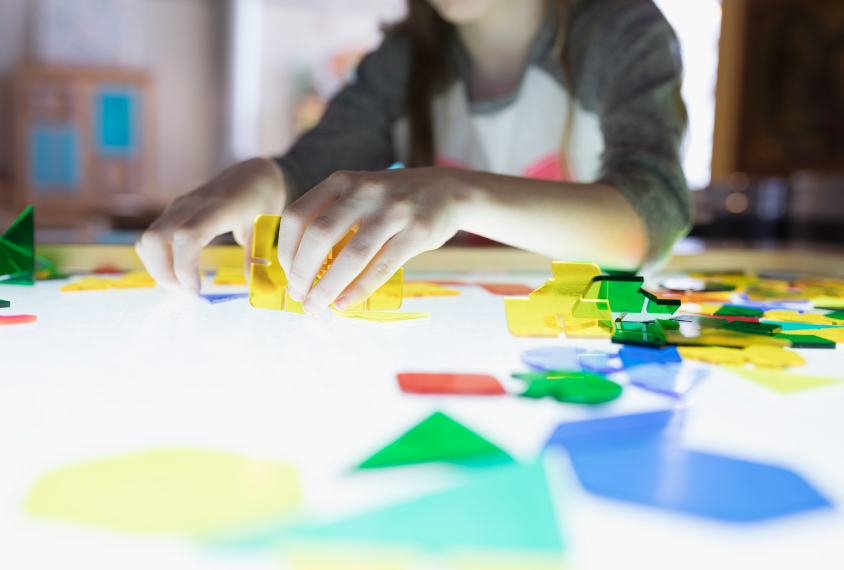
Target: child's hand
x,y
170,248
400,213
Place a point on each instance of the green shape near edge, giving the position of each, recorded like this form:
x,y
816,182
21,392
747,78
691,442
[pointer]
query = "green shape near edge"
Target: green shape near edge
x,y
17,251
438,438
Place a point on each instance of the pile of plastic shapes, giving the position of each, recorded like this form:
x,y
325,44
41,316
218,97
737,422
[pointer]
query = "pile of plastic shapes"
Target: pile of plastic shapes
x,y
718,310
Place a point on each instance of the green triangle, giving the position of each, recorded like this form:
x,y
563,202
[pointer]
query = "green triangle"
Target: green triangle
x,y
438,438
17,251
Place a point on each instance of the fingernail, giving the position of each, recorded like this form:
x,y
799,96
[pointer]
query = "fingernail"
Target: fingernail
x,y
341,303
310,306
295,294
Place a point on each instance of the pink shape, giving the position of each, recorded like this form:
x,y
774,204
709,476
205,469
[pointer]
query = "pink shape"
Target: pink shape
x,y
17,319
549,167
446,161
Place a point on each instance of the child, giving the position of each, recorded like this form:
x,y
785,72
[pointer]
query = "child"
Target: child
x,y
552,126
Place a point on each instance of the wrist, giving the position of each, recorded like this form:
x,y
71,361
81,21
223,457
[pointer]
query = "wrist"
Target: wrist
x,y
468,195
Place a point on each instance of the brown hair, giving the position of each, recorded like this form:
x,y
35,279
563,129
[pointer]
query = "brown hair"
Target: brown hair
x,y
430,73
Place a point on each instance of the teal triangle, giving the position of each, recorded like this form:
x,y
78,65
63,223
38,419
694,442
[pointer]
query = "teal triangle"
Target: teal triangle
x,y
17,251
438,438
508,507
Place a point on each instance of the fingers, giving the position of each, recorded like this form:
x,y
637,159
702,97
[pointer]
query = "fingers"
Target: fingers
x,y
352,260
386,262
156,254
170,249
298,216
188,241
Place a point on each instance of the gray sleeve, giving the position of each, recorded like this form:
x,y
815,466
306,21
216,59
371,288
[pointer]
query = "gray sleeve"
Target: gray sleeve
x,y
355,131
629,73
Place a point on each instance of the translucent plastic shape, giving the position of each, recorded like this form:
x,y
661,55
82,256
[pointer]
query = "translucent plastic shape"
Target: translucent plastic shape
x,y
767,356
17,319
230,276
268,283
438,438
438,383
781,381
181,491
570,387
17,251
381,317
795,317
548,307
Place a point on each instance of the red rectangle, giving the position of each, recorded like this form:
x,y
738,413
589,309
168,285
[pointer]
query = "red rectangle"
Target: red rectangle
x,y
427,383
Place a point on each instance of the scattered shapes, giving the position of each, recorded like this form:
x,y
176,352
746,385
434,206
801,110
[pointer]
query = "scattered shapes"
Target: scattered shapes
x,y
438,438
570,387
230,276
17,319
423,289
768,356
215,298
17,251
795,317
268,283
695,331
506,288
425,383
538,314
381,317
180,491
508,507
635,459
780,381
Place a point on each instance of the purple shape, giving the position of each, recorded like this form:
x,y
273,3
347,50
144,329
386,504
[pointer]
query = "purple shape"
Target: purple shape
x,y
634,458
799,305
223,297
672,378
598,362
561,358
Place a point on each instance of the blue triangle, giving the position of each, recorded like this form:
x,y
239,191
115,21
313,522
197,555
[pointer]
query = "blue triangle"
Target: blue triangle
x,y
223,297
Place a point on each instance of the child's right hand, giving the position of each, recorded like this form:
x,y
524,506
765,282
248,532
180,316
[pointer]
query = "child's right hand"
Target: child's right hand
x,y
230,202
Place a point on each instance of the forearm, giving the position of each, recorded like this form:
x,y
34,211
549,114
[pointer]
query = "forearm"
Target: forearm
x,y
564,221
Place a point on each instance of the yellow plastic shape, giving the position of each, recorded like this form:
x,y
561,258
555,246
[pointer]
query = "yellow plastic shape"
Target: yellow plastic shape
x,y
835,334
767,356
591,316
545,312
795,317
421,289
173,491
132,280
87,284
268,283
781,381
230,276
381,317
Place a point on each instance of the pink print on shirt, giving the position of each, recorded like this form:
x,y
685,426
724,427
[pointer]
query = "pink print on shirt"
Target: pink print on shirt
x,y
549,167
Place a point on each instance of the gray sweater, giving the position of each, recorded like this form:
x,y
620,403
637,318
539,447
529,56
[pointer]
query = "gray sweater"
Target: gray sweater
x,y
626,68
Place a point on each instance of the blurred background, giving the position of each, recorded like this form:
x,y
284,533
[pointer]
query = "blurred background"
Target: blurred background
x,y
111,108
